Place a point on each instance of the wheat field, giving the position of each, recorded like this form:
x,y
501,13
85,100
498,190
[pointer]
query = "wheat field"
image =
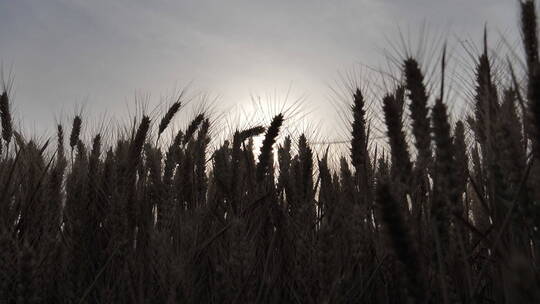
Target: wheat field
x,y
449,212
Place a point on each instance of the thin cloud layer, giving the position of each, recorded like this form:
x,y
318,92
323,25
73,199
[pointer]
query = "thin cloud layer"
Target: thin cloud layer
x,y
101,52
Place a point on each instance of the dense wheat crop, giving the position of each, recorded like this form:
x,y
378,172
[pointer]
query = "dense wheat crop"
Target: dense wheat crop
x,y
449,212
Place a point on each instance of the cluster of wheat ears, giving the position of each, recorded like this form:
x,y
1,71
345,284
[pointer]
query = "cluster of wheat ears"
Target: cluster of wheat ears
x,y
136,223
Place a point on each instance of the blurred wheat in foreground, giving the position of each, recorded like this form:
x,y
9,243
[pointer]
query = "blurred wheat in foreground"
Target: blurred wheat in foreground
x,y
450,213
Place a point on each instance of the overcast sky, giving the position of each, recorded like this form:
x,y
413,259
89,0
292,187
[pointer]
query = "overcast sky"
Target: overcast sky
x,y
99,53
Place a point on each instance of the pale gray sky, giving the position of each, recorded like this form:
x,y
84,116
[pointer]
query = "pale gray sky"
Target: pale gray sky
x,y
100,52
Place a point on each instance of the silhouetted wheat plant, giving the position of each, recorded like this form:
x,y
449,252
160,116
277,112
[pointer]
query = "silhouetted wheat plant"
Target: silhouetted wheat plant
x,y
450,215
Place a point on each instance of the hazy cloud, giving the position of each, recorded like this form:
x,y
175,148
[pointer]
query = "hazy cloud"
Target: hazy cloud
x,y
66,52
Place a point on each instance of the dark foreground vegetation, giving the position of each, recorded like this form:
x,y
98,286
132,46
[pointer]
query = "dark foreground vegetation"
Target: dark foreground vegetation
x,y
449,214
